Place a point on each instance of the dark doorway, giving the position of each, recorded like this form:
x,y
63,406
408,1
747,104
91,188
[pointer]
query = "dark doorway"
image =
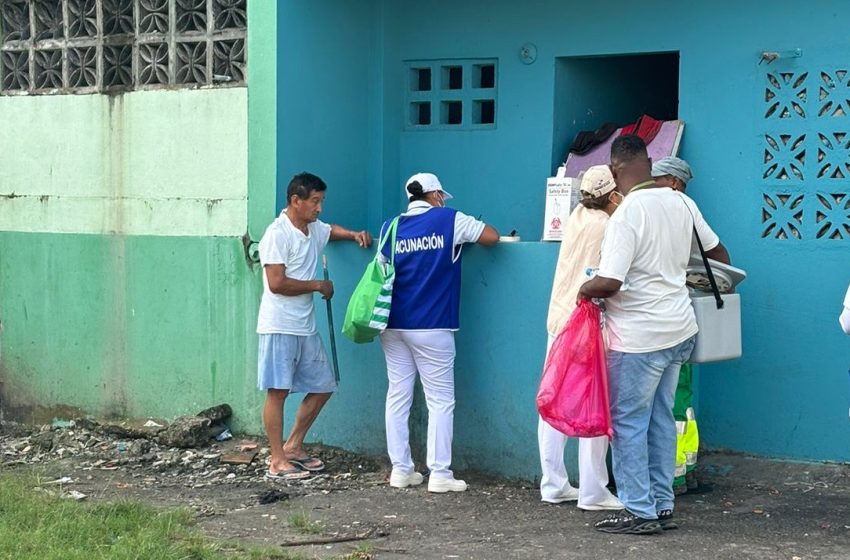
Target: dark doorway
x,y
593,90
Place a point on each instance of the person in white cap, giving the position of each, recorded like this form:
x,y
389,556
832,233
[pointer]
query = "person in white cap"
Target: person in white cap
x,y
424,316
579,254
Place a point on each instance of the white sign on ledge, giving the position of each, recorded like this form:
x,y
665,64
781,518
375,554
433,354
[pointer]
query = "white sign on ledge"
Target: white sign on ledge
x,y
562,196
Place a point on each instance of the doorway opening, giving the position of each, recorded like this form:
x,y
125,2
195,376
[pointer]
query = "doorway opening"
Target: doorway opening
x,y
593,90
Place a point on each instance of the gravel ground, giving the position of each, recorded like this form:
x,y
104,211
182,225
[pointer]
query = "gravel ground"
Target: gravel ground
x,y
757,508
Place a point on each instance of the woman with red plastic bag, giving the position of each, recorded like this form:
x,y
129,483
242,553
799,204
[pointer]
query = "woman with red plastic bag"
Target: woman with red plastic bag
x,y
577,259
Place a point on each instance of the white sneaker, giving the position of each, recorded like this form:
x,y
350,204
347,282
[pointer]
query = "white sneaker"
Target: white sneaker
x,y
569,495
402,480
611,502
441,485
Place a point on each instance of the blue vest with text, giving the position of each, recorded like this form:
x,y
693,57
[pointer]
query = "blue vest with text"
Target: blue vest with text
x,y
426,291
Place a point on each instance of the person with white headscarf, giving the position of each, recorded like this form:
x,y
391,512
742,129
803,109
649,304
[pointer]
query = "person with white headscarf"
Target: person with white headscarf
x,y
675,173
579,253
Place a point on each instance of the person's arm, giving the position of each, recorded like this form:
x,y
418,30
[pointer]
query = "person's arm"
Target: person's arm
x,y
471,230
281,284
339,233
489,236
719,254
599,287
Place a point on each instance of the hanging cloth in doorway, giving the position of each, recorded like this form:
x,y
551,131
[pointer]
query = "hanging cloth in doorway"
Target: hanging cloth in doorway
x,y
586,140
646,127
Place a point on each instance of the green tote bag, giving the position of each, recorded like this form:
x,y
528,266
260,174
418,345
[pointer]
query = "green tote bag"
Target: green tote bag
x,y
369,307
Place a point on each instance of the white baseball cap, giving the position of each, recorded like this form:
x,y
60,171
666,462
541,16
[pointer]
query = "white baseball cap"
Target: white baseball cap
x,y
597,181
429,183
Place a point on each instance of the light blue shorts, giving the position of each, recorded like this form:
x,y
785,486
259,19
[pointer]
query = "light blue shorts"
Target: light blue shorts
x,y
295,363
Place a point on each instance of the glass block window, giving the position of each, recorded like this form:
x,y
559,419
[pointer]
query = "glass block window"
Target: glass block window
x,y
103,46
451,94
804,154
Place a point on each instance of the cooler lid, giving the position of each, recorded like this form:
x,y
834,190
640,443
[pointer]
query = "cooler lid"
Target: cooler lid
x,y
735,275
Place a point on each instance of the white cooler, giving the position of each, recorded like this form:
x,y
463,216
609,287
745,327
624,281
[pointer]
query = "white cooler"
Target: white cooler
x,y
719,336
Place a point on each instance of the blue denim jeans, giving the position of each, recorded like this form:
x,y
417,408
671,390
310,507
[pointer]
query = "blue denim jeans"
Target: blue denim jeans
x,y
642,387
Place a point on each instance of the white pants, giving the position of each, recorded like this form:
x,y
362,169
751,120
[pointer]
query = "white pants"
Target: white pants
x,y
592,470
432,354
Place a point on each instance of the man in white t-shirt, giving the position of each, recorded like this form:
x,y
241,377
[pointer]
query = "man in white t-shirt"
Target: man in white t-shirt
x,y
291,356
651,328
844,318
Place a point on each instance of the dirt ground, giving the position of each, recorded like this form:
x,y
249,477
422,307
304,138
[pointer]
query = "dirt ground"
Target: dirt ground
x,y
757,509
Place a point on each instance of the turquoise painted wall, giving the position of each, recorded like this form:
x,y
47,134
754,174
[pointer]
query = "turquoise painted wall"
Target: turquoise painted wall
x,y
327,110
791,383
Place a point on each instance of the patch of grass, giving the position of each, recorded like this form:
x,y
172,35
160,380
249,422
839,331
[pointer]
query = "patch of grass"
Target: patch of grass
x,y
268,554
301,522
365,551
36,524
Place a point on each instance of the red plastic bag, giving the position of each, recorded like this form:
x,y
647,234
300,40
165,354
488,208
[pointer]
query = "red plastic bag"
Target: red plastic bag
x,y
573,394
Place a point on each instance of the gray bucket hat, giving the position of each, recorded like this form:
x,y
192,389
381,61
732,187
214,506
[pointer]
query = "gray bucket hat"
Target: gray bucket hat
x,y
674,166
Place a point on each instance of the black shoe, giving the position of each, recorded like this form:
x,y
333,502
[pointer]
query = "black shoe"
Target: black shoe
x,y
665,518
628,523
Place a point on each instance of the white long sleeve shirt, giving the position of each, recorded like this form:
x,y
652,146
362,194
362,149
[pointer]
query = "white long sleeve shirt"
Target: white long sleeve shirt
x,y
844,319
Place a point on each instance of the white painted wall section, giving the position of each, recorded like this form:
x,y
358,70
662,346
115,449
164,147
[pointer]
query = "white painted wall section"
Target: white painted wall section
x,y
168,163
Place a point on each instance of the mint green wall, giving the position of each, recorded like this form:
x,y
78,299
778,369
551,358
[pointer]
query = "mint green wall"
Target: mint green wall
x,y
124,287
132,326
262,115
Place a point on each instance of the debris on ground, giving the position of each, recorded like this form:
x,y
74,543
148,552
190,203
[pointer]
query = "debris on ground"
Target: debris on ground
x,y
180,452
239,457
75,495
218,413
63,480
224,436
185,432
